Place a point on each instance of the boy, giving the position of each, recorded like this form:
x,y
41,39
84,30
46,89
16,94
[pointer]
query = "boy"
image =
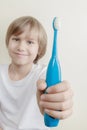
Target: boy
x,y
22,82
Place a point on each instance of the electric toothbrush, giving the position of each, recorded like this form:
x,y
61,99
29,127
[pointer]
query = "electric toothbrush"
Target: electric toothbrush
x,y
53,75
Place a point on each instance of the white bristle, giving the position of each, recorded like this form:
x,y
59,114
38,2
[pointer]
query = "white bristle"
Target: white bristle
x,y
57,23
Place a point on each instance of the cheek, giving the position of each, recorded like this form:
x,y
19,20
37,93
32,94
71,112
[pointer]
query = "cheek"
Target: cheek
x,y
11,46
35,50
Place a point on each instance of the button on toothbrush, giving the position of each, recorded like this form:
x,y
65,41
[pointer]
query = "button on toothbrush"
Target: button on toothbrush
x,y
53,75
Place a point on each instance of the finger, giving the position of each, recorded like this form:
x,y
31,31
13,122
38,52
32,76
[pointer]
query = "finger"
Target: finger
x,y
57,97
59,114
63,86
41,85
61,106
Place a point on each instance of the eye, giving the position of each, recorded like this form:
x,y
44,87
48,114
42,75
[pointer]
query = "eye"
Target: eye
x,y
30,42
15,39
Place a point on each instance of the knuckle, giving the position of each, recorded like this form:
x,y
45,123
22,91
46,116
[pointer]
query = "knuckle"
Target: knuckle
x,y
62,106
64,96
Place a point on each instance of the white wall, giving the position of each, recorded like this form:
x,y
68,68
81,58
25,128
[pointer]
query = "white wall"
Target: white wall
x,y
72,44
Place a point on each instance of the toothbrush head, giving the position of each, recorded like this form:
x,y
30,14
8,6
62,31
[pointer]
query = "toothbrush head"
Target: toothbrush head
x,y
56,23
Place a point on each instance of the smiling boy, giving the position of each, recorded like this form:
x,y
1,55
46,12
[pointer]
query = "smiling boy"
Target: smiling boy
x,y
22,82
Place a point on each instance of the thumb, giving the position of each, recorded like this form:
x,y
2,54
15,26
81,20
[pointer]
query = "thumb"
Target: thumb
x,y
41,86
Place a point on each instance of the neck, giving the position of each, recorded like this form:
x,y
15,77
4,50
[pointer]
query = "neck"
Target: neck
x,y
18,72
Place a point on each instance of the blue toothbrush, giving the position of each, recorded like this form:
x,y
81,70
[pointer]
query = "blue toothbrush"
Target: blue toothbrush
x,y
53,75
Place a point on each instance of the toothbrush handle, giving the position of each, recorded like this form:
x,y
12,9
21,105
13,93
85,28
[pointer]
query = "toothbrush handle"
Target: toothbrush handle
x,y
53,77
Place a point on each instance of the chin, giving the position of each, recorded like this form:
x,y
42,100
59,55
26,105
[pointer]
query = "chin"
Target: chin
x,y
21,63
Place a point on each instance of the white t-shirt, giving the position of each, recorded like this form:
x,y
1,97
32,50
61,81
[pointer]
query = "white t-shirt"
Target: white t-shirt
x,y
18,103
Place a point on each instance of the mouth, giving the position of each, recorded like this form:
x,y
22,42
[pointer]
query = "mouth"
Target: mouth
x,y
21,54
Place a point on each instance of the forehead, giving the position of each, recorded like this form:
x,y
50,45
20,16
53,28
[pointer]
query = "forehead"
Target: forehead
x,y
28,31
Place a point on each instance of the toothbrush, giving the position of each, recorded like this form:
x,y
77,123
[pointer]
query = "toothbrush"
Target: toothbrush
x,y
53,75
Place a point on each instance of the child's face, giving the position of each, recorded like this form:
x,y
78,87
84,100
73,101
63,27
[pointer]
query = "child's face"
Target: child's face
x,y
23,48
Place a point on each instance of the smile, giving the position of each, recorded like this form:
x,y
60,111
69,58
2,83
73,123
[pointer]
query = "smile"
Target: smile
x,y
21,54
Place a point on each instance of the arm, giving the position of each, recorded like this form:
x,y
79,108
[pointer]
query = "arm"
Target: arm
x,y
58,102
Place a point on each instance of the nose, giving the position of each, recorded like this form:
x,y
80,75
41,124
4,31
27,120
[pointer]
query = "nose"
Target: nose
x,y
21,46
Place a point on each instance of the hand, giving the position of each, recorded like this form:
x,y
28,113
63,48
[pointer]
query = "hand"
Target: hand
x,y
58,102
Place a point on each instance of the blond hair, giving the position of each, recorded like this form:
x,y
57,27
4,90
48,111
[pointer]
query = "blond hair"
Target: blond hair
x,y
17,26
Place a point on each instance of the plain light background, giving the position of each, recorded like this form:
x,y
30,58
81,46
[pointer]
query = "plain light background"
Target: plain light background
x,y
72,43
